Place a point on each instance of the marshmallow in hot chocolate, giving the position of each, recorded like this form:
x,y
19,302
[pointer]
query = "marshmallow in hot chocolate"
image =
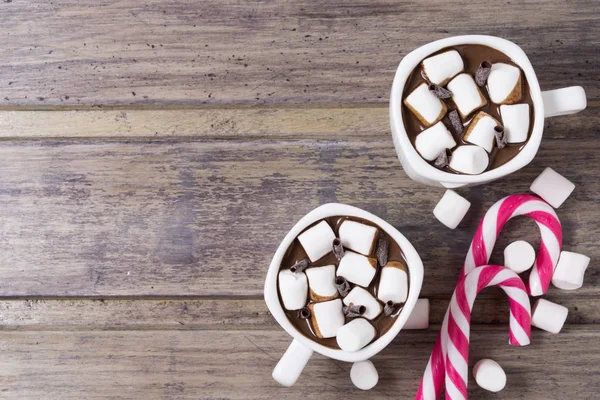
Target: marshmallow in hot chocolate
x,y
439,69
504,84
425,105
317,241
469,159
357,268
515,118
358,237
327,318
321,283
361,297
433,141
393,284
355,335
293,287
482,131
466,94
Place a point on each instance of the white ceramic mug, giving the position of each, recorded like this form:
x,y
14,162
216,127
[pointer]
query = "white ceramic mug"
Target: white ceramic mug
x,y
301,349
545,104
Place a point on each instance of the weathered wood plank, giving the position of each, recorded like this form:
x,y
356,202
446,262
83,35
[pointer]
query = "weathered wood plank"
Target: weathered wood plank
x,y
69,52
237,365
204,218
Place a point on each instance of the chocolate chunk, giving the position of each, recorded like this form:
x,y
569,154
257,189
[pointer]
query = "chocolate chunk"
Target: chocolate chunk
x,y
299,265
389,308
482,73
440,92
342,285
382,251
304,313
442,160
338,249
500,137
354,311
456,122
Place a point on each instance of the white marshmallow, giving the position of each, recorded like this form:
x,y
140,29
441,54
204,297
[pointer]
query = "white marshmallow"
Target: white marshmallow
x,y
442,67
358,237
357,268
361,297
469,160
364,375
355,335
451,209
504,84
552,187
519,256
569,272
393,283
548,316
317,241
425,105
321,282
481,131
489,375
327,318
433,141
515,118
293,288
419,317
466,95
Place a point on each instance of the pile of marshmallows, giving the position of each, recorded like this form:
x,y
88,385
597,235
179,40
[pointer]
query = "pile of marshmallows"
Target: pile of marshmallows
x,y
519,256
326,284
503,84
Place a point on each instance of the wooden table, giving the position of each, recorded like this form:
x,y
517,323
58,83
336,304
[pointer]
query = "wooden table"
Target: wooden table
x,y
154,154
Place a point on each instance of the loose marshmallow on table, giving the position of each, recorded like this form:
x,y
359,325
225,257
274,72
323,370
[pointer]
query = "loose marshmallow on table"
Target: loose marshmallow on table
x,y
393,283
425,105
321,282
481,131
469,159
293,287
548,316
358,237
489,375
419,317
433,141
466,94
519,256
504,84
515,118
317,241
570,270
361,297
451,209
327,318
364,375
355,335
552,187
440,68
357,268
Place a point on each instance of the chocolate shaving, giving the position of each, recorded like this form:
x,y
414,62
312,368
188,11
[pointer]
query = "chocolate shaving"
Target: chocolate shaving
x,y
483,72
389,308
342,285
338,249
440,92
304,313
382,251
500,137
299,265
456,122
442,160
354,311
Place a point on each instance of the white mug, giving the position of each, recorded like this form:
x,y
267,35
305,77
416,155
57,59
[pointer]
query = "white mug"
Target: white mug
x,y
546,104
301,349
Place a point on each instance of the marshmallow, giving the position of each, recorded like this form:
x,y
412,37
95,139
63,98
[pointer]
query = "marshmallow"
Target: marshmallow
x,y
442,67
327,318
504,84
358,237
425,105
317,241
569,272
489,375
355,335
360,297
419,317
548,316
451,209
515,118
469,160
552,187
321,282
466,95
481,131
433,141
519,256
364,375
393,283
293,288
357,268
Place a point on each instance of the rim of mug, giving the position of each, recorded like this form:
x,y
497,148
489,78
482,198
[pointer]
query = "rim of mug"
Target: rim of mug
x,y
414,58
413,261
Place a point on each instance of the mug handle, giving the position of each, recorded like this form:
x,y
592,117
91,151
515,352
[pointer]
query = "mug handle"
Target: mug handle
x,y
565,101
291,365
